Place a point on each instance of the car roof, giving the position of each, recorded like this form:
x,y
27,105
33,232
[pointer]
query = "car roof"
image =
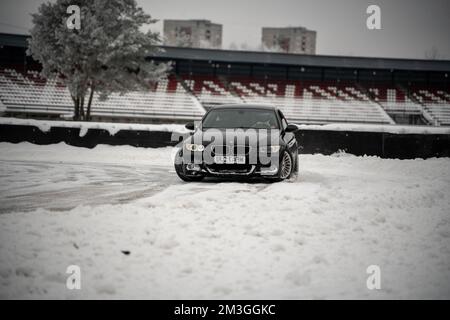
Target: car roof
x,y
245,106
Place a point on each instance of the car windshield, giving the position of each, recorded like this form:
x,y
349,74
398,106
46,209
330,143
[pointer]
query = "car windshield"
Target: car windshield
x,y
241,118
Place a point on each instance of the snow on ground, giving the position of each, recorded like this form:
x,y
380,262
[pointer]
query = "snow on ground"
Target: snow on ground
x,y
311,238
367,127
103,154
111,127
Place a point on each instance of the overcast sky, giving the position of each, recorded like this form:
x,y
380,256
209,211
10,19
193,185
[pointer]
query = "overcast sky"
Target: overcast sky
x,y
410,28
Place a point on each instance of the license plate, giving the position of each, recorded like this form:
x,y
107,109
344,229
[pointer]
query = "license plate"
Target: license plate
x,y
229,159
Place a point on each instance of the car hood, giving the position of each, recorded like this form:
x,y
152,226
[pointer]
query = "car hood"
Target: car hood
x,y
233,136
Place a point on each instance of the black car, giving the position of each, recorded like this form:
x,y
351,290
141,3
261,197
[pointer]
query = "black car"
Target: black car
x,y
239,140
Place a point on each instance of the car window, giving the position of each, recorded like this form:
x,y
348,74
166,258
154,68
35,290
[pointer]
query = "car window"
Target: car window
x,y
241,118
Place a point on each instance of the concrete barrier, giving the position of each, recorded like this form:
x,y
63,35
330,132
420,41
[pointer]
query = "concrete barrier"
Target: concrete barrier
x,y
382,144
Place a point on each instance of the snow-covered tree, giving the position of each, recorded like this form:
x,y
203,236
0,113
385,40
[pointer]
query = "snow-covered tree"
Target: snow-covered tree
x,y
108,53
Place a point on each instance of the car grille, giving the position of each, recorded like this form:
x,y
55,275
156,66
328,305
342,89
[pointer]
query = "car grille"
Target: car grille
x,y
230,150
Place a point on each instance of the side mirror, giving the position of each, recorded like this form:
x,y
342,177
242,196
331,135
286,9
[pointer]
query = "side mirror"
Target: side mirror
x,y
291,128
190,126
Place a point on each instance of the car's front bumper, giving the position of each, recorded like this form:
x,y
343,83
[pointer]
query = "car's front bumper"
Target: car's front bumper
x,y
231,170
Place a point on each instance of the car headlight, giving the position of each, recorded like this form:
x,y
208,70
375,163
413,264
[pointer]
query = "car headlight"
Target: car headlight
x,y
194,147
271,148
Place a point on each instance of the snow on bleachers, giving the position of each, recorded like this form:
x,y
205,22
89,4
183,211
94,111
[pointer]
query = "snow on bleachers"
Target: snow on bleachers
x,y
301,101
431,95
394,100
435,100
440,111
30,94
210,91
315,102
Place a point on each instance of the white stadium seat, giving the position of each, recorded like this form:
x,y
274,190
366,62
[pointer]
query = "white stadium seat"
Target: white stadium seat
x,y
186,98
30,94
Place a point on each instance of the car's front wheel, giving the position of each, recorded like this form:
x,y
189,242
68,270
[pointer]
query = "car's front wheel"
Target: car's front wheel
x,y
287,167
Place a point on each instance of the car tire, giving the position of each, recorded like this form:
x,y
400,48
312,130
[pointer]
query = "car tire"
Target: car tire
x,y
286,158
294,174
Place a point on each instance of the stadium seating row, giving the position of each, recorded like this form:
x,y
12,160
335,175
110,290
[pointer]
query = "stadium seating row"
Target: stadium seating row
x,y
188,97
361,102
436,102
31,94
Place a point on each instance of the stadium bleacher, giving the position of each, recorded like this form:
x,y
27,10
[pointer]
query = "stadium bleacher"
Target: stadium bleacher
x,y
187,98
210,91
312,102
394,100
301,102
307,88
436,101
30,94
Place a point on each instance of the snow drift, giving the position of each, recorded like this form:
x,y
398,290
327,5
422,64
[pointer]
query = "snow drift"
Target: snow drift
x,y
311,238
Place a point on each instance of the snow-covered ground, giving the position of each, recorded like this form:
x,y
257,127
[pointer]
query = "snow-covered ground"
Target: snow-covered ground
x,y
367,127
311,238
111,127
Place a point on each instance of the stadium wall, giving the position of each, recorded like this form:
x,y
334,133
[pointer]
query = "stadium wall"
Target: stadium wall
x,y
382,144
